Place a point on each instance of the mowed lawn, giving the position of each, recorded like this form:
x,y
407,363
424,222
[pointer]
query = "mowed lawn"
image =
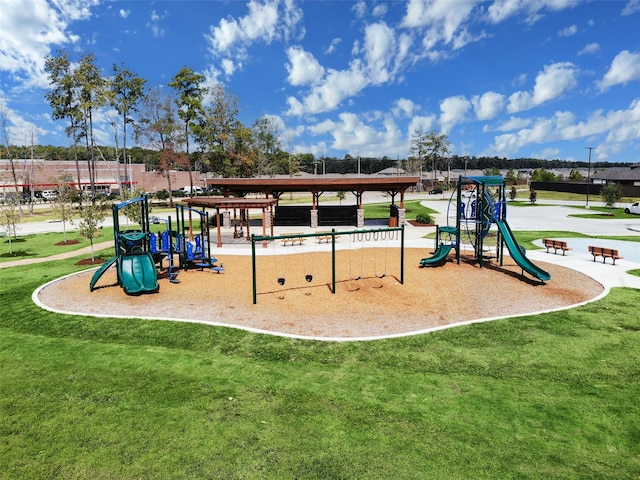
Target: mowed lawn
x,y
548,396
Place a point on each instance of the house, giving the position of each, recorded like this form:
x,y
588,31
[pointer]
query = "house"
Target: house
x,y
624,176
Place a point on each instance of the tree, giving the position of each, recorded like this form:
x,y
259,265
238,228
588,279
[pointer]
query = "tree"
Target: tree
x,y
267,145
611,194
492,171
510,177
63,98
62,204
188,86
575,176
7,142
133,211
429,146
542,175
10,218
513,194
533,196
92,95
89,225
218,133
126,90
158,127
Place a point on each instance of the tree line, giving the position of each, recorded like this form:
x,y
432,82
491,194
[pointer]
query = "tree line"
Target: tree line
x,y
193,127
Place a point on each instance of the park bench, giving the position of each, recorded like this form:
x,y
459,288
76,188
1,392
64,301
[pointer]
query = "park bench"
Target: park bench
x,y
293,240
325,236
556,245
604,253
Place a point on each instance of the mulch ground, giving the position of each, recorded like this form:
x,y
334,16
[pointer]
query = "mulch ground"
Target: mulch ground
x,y
369,300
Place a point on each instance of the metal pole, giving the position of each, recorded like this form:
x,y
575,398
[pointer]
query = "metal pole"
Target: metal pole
x,y
402,255
333,260
253,268
589,175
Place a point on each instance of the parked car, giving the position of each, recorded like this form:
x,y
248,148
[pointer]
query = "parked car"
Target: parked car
x,y
49,195
633,208
435,191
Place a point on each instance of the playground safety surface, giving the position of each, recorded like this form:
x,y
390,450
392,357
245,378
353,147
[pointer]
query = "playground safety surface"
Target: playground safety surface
x,y
367,308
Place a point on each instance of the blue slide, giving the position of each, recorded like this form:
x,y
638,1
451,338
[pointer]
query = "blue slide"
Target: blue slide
x,y
517,255
439,255
96,276
137,273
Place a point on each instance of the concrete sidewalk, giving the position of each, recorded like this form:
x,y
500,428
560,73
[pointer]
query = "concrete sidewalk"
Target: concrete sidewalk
x,y
60,256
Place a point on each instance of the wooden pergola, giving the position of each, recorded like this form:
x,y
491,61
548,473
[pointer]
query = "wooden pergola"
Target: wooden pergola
x,y
275,187
233,203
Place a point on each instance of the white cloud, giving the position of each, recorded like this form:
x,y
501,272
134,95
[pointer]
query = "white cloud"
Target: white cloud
x,y
454,110
303,67
332,47
154,23
361,138
19,130
568,31
554,81
266,21
380,10
334,88
618,125
532,10
28,29
124,13
424,123
442,22
376,61
632,7
624,68
514,123
519,101
404,107
589,49
547,154
359,8
380,51
551,83
488,105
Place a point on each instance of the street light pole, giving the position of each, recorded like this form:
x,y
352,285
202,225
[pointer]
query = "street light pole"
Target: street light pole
x,y
589,175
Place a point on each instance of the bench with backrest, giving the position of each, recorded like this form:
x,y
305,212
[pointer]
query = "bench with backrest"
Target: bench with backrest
x,y
325,236
293,240
604,253
556,245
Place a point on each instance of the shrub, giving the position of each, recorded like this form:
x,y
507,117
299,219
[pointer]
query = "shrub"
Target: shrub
x,y
424,218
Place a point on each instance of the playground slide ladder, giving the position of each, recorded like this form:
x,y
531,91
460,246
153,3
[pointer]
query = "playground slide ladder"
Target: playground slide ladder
x,y
518,256
439,255
96,276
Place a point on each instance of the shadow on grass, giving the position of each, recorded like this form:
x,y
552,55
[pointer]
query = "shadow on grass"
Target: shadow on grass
x,y
17,253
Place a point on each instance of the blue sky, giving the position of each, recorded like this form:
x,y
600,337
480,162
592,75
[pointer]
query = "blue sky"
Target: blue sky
x,y
509,78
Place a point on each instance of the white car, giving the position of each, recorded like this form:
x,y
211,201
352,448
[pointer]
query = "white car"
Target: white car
x,y
633,208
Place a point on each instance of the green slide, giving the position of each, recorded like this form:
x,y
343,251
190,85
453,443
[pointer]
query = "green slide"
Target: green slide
x,y
439,255
96,276
137,273
517,255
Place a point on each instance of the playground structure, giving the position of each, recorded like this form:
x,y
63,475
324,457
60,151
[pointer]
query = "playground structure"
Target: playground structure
x,y
373,235
480,203
194,251
135,265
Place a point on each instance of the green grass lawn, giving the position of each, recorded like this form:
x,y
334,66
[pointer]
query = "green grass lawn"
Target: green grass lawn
x,y
45,244
381,210
546,396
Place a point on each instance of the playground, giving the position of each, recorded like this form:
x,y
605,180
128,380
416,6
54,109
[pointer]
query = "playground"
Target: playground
x,y
370,307
361,287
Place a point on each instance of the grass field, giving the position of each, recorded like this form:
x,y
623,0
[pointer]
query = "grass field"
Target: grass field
x,y
547,396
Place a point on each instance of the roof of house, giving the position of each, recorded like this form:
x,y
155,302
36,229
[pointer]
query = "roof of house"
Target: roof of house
x,y
618,173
